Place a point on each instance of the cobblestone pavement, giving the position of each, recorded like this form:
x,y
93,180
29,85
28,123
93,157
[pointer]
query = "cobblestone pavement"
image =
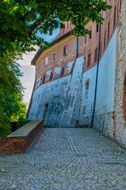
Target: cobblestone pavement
x,y
66,159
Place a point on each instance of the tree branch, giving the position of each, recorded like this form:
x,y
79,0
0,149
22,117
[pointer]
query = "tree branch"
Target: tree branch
x,y
35,25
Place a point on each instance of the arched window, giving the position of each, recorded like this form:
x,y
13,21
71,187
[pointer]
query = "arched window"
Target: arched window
x,y
90,34
65,51
97,27
89,60
105,39
108,30
96,55
46,61
51,75
54,56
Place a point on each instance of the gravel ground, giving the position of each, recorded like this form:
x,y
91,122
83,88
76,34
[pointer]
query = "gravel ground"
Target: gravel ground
x,y
66,159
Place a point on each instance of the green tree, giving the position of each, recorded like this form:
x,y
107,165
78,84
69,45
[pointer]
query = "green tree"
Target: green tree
x,y
21,21
20,113
10,93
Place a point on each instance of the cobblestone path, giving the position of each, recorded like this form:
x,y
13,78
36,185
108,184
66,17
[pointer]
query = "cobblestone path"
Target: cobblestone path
x,y
66,159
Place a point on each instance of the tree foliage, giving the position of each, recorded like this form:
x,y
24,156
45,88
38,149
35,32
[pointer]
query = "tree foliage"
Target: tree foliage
x,y
11,105
21,21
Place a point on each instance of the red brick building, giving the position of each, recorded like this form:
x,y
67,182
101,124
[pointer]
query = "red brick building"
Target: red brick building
x,y
63,49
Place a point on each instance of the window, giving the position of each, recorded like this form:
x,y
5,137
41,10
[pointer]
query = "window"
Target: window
x,y
114,19
51,75
96,55
89,60
43,78
87,88
97,27
65,51
108,30
54,56
62,71
46,60
105,39
90,35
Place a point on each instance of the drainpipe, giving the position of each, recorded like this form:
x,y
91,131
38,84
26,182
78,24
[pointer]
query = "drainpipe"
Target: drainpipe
x,y
96,81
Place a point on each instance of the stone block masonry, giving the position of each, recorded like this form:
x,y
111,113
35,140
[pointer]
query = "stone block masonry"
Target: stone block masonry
x,y
105,91
120,106
57,102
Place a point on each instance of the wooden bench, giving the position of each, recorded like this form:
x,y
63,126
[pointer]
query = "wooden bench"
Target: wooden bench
x,y
22,139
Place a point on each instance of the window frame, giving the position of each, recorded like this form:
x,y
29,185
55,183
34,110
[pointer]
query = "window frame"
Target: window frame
x,y
65,50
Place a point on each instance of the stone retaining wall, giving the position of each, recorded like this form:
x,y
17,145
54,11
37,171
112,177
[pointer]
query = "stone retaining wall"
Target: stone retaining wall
x,y
12,145
120,123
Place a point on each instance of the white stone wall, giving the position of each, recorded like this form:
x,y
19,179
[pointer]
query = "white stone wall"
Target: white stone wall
x,y
66,98
72,101
61,95
52,93
106,84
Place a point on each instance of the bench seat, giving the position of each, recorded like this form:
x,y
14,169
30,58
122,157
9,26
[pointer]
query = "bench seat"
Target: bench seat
x,y
22,139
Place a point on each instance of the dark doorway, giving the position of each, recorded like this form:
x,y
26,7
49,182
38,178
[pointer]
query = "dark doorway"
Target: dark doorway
x,y
45,111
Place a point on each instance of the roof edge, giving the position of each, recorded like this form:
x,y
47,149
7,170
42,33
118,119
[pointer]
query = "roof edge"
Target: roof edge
x,y
51,44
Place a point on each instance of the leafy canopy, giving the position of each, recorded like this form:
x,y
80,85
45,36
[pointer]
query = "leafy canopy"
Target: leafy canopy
x,y
12,107
21,21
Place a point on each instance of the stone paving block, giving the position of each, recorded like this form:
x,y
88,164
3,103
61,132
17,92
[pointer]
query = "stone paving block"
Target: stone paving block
x,y
66,159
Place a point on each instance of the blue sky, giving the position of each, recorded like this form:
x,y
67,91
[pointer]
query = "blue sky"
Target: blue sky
x,y
29,70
